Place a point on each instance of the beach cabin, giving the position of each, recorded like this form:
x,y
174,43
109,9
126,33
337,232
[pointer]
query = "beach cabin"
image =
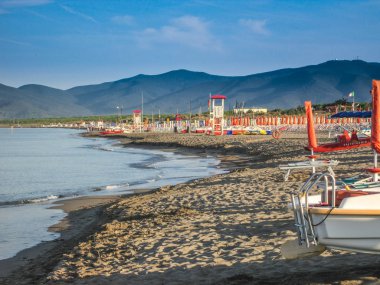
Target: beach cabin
x,y
217,114
136,115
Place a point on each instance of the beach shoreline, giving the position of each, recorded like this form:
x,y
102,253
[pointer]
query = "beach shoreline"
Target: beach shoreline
x,y
82,211
224,229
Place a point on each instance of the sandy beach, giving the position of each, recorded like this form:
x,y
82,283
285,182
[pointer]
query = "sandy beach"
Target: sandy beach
x,y
225,229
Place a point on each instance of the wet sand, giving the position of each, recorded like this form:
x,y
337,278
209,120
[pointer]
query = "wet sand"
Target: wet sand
x,y
226,229
85,215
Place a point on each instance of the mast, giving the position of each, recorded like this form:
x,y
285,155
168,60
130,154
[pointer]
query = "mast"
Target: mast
x,y
142,110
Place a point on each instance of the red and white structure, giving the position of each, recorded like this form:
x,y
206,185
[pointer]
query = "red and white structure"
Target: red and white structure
x,y
217,114
136,118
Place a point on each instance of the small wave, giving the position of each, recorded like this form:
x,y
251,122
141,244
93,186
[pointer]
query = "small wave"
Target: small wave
x,y
47,198
103,148
31,201
149,163
141,165
106,149
111,187
99,147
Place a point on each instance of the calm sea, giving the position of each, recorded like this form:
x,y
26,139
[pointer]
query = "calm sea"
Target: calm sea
x,y
38,166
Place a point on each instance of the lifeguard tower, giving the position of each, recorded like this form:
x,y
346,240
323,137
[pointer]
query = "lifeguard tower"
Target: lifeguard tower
x,y
136,119
217,114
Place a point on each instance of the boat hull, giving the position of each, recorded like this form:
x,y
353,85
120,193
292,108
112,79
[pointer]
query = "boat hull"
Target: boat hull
x,y
112,132
341,146
354,230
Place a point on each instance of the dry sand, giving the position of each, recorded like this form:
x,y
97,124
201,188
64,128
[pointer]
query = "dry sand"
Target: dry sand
x,y
225,229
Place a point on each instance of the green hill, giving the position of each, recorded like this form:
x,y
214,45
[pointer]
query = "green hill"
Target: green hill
x,y
172,91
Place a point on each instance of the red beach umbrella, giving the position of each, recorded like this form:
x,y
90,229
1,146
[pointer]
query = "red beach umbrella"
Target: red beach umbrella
x,y
375,131
310,126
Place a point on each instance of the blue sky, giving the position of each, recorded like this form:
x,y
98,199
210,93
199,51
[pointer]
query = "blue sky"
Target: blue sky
x,y
63,44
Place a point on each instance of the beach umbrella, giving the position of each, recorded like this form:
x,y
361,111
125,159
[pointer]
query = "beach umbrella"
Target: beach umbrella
x,y
310,126
375,131
357,114
367,114
375,128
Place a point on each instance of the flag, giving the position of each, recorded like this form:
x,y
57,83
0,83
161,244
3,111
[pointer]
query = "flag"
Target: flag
x,y
351,94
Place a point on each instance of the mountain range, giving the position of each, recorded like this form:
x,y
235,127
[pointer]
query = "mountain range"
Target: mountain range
x,y
183,90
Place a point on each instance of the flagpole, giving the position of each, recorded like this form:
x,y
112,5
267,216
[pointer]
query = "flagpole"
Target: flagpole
x,y
142,111
352,94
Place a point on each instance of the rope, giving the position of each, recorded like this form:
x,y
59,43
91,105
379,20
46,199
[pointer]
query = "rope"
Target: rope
x,y
324,219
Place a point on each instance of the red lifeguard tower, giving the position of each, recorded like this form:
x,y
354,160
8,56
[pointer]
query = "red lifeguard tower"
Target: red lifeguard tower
x,y
136,119
217,113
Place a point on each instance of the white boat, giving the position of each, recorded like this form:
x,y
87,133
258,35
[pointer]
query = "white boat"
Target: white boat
x,y
354,225
342,218
337,218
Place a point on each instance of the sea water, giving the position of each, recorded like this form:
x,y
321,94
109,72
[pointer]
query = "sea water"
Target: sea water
x,y
38,166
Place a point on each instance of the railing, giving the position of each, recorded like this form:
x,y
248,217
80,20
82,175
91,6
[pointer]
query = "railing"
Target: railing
x,y
303,222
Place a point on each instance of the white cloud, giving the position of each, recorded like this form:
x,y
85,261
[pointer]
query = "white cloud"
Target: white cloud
x,y
123,20
39,15
76,13
7,5
255,26
187,31
23,3
15,42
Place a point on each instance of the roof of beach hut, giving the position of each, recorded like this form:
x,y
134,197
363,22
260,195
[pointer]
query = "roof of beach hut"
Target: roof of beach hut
x,y
218,96
136,111
178,117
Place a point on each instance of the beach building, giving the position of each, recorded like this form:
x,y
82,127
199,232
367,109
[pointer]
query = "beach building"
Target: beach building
x,y
137,120
216,105
99,124
252,110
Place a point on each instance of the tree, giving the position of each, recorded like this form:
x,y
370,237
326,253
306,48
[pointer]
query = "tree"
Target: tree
x,y
342,101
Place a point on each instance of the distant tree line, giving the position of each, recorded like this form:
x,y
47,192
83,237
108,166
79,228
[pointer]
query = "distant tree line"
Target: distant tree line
x,y
340,105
